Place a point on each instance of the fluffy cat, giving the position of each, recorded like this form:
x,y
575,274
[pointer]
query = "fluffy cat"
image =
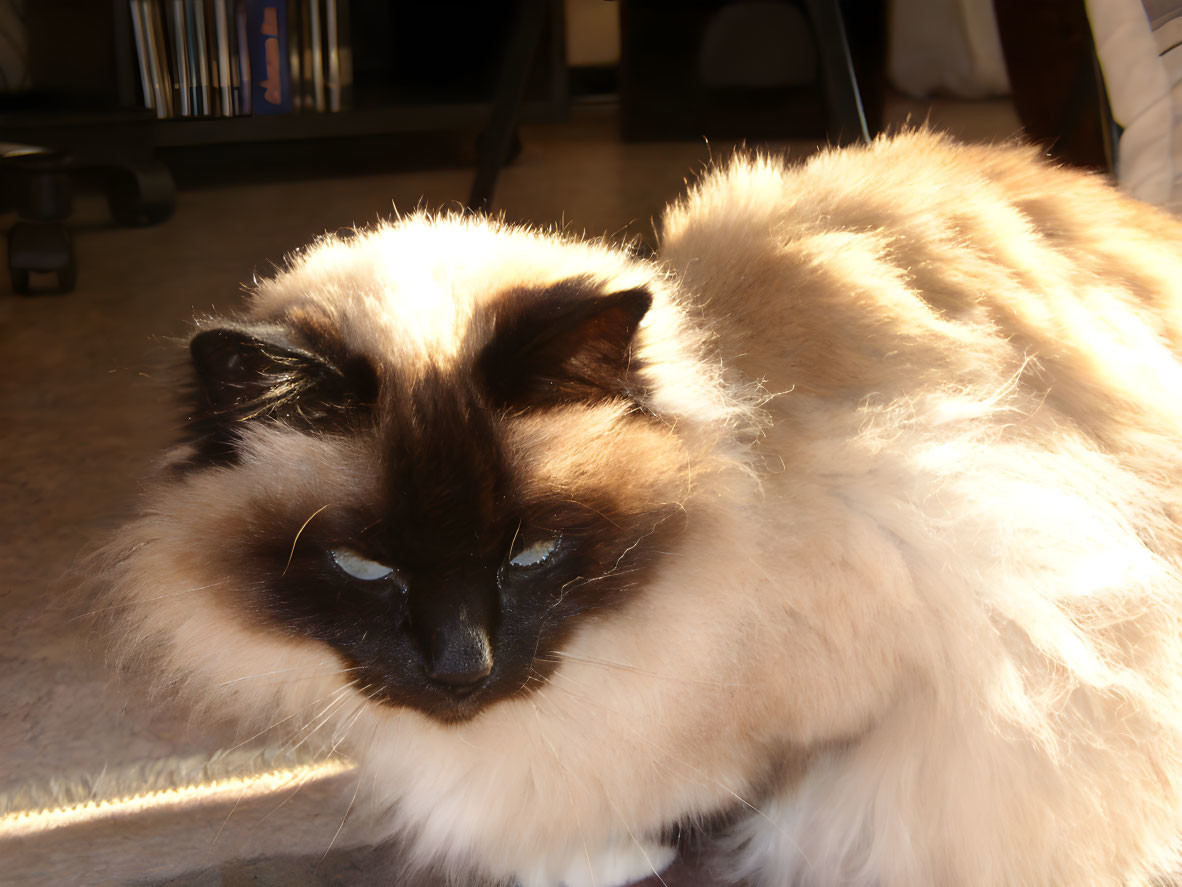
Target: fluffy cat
x,y
845,531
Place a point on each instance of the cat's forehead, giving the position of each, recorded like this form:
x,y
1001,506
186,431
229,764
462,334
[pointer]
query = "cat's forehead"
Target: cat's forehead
x,y
408,291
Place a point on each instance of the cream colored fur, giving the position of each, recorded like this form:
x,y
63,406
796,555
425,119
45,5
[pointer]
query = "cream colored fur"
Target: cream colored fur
x,y
923,624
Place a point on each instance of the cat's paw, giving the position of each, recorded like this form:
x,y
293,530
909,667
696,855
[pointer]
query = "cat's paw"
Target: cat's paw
x,y
613,865
620,865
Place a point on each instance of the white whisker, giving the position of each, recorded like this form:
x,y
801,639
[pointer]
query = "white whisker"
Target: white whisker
x,y
570,794
622,666
344,819
306,675
140,601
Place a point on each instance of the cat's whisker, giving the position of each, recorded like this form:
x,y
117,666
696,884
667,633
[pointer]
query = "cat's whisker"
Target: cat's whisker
x,y
632,835
307,675
626,552
595,510
265,730
140,601
299,533
570,795
226,821
289,717
322,718
622,666
289,796
276,724
344,819
344,730
334,699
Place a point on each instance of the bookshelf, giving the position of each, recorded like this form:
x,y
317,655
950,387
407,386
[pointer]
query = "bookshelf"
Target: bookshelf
x,y
441,67
420,93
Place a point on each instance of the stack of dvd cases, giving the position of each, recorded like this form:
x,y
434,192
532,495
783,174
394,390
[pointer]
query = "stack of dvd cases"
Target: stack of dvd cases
x,y
228,58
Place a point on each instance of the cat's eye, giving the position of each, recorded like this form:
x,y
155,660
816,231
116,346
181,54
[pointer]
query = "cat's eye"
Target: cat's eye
x,y
535,553
360,567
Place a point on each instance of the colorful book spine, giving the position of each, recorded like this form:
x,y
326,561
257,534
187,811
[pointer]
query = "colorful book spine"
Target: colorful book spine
x,y
199,56
332,80
231,57
242,45
180,58
295,59
142,36
162,77
312,11
267,40
221,31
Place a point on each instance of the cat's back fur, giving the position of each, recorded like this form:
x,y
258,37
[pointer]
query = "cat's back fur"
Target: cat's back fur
x,y
976,354
914,410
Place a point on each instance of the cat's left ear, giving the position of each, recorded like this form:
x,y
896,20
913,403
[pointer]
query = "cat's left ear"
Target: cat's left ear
x,y
259,373
243,372
566,343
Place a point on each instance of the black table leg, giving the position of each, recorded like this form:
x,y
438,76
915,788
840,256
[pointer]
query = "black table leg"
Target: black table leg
x,y
495,143
848,121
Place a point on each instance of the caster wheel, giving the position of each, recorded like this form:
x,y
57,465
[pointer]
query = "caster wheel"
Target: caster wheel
x,y
43,249
141,196
38,183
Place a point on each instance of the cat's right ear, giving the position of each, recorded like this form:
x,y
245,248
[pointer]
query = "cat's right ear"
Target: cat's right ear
x,y
257,373
570,342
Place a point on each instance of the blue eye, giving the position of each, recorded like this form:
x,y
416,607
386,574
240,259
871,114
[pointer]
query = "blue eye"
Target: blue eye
x,y
360,567
535,553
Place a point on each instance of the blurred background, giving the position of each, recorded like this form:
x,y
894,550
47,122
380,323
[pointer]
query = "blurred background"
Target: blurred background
x,y
155,155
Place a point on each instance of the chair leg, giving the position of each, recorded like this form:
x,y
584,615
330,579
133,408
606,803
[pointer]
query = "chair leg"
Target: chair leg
x,y
496,142
141,194
45,249
848,120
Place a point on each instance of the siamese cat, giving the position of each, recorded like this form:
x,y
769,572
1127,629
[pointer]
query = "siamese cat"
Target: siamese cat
x,y
844,532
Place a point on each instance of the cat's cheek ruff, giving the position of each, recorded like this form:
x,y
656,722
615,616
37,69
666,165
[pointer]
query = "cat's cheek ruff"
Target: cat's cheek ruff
x,y
179,578
189,633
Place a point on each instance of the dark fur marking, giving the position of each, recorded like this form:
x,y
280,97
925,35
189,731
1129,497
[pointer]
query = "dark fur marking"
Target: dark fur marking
x,y
565,343
445,508
445,511
383,628
694,837
300,375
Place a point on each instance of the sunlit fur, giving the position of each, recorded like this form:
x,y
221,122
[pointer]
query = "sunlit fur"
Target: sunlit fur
x,y
921,626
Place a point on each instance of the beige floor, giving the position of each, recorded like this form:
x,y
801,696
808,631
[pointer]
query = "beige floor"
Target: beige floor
x,y
81,415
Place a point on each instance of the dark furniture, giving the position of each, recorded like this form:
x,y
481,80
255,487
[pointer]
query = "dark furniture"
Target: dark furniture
x,y
751,69
502,58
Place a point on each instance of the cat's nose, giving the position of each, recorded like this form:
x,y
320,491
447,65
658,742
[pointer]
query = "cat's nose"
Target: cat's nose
x,y
460,655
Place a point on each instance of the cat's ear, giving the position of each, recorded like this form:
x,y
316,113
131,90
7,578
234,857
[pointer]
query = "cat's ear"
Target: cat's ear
x,y
258,373
564,344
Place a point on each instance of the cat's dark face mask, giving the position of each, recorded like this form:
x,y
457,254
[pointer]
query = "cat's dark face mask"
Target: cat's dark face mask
x,y
451,582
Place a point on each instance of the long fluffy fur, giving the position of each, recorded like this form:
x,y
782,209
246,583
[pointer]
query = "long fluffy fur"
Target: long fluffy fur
x,y
922,624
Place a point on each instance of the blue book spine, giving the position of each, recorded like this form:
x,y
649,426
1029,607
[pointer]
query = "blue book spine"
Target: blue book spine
x,y
270,71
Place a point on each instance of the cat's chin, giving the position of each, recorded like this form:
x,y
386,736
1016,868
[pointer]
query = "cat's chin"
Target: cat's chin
x,y
451,706
446,711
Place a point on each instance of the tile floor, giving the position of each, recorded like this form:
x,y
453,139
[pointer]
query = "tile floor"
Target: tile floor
x,y
81,417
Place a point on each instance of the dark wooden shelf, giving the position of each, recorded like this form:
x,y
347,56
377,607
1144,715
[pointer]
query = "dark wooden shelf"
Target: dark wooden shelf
x,y
439,117
195,131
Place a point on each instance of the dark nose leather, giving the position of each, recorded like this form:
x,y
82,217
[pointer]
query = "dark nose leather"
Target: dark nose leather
x,y
460,655
454,621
